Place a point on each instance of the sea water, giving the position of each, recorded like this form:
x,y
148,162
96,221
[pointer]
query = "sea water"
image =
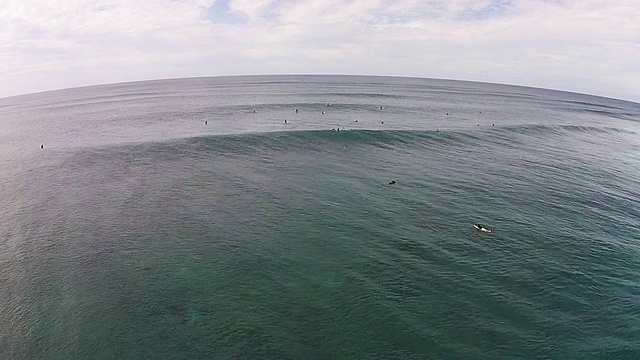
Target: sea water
x,y
184,219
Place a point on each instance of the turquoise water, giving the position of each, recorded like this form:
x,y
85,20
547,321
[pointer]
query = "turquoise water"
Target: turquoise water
x,y
139,232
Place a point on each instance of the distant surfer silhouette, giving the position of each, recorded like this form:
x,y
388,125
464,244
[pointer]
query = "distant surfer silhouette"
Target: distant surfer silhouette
x,y
206,122
42,146
296,111
392,182
285,121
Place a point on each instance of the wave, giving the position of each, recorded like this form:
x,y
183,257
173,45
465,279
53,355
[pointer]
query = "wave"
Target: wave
x,y
533,129
325,140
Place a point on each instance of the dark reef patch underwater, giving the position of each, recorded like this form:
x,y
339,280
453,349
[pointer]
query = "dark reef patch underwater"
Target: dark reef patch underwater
x,y
140,232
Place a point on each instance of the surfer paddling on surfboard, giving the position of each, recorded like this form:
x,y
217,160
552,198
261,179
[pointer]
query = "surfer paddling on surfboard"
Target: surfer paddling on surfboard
x,y
482,228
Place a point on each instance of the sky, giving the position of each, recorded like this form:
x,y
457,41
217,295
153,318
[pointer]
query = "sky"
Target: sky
x,y
585,46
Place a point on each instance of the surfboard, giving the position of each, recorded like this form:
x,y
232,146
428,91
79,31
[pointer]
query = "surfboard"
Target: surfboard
x,y
481,228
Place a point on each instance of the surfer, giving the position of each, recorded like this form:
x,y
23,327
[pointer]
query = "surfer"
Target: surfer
x,y
42,146
285,121
392,182
322,112
206,122
482,228
296,110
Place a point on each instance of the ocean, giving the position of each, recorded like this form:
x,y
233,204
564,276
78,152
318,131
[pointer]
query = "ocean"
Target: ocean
x,y
184,219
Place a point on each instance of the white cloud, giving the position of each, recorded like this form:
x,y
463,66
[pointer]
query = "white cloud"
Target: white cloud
x,y
587,46
253,9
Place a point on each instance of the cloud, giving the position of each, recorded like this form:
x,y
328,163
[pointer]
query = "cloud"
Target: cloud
x,y
253,9
586,46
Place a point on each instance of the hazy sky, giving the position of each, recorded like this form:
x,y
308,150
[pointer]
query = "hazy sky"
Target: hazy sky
x,y
589,46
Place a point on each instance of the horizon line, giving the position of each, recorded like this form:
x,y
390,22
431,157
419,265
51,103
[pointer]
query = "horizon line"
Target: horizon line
x,y
312,75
